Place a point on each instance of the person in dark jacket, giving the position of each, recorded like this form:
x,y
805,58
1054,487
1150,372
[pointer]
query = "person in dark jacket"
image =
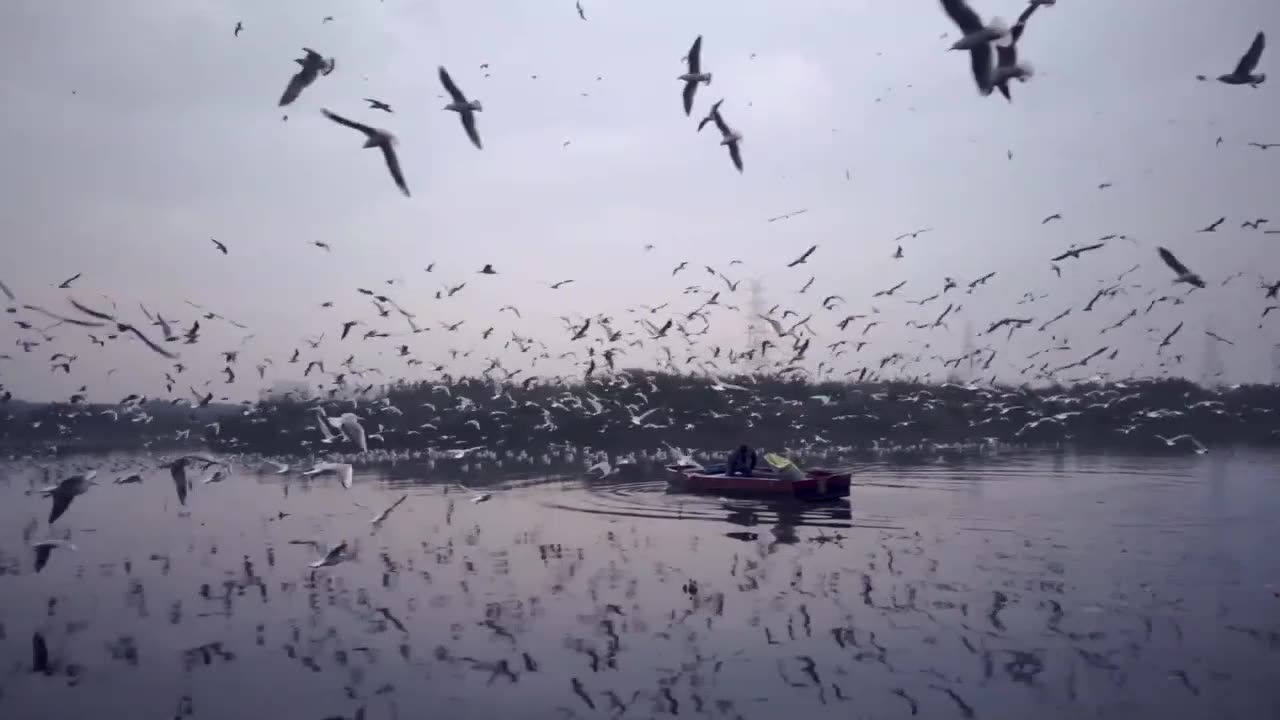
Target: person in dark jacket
x,y
741,462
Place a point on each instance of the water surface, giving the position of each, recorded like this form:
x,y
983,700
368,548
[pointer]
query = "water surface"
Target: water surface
x,y
1019,586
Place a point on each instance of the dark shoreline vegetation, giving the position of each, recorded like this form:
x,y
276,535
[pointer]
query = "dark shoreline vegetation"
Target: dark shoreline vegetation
x,y
643,410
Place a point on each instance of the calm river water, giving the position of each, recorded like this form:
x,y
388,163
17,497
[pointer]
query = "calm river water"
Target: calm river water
x,y
1020,586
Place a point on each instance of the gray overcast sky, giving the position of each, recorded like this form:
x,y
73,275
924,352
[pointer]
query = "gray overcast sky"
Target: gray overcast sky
x,y
135,131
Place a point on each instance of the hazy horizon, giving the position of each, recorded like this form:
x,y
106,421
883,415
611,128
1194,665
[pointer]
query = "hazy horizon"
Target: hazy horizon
x,y
140,132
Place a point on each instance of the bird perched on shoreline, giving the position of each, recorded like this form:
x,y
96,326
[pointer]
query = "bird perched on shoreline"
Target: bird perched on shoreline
x,y
465,108
380,139
693,74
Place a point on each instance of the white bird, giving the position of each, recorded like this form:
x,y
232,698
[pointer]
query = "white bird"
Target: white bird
x,y
324,422
350,426
217,476
475,496
604,468
1198,447
344,471
381,517
45,547
976,38
694,75
465,108
637,419
281,468
329,556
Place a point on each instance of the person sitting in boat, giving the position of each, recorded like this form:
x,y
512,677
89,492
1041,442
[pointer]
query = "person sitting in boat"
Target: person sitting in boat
x,y
741,462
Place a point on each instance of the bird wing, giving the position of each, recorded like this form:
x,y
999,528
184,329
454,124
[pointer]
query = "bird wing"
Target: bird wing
x,y
179,474
88,311
721,125
61,501
393,166
469,124
1172,261
7,292
962,15
452,89
1020,26
980,63
695,56
690,89
735,153
349,123
1251,57
154,347
345,472
713,115
296,85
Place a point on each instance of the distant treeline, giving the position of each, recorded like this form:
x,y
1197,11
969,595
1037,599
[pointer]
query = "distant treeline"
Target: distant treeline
x,y
643,410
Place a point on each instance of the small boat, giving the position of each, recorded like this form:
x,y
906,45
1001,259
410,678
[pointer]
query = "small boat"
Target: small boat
x,y
817,483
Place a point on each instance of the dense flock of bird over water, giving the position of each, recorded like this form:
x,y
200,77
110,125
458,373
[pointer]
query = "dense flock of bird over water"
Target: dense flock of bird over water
x,y
362,413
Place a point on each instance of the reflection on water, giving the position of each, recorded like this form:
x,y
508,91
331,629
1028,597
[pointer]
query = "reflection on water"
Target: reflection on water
x,y
1023,586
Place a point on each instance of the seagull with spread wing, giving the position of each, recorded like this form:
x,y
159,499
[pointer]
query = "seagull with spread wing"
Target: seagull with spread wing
x,y
381,139
1184,275
465,108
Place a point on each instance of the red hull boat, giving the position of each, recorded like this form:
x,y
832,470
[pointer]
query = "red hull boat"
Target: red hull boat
x,y
817,484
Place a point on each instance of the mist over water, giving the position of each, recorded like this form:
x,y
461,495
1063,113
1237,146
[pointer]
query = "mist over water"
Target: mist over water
x,y
1019,585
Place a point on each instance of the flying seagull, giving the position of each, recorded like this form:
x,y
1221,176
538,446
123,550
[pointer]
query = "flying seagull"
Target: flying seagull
x,y
711,116
178,469
66,491
977,39
381,517
344,471
803,258
694,75
378,105
1007,65
729,137
465,108
1213,226
239,27
380,139
1184,275
1243,74
45,548
221,247
313,64
581,14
